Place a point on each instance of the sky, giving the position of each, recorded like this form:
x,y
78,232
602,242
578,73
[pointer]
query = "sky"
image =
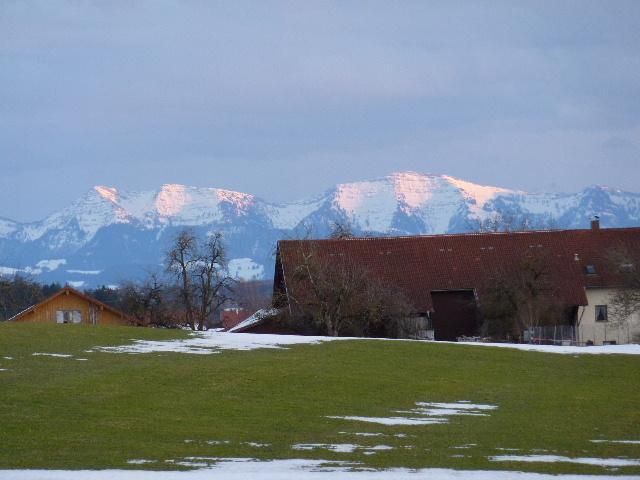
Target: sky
x,y
286,99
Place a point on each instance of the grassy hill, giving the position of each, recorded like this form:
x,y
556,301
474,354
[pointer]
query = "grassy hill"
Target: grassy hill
x,y
101,410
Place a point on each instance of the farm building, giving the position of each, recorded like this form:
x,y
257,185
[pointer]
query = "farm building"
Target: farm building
x,y
71,306
451,279
230,317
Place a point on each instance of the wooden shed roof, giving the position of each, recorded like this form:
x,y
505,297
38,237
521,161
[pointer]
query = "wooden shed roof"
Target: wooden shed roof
x,y
66,290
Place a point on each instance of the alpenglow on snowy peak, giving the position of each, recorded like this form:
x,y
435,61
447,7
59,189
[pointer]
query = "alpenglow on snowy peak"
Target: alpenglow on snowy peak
x,y
109,236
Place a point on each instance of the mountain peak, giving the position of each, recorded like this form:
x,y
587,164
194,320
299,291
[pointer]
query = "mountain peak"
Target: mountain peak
x,y
108,193
110,234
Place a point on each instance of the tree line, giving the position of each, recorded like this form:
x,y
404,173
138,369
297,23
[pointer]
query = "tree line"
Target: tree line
x,y
190,292
325,296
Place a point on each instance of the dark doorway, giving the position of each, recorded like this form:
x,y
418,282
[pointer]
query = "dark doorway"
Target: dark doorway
x,y
455,314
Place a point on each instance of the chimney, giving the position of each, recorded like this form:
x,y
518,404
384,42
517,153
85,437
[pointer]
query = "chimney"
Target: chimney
x,y
595,223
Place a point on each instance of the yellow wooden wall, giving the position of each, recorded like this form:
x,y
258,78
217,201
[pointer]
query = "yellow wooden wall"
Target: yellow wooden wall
x,y
46,313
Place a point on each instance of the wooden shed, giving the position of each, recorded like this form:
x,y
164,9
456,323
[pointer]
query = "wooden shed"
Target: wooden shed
x,y
71,306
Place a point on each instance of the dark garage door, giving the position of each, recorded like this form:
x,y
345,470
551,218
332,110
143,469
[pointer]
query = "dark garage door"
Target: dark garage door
x,y
455,314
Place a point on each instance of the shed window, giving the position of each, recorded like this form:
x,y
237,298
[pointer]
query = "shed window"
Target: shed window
x,y
68,316
601,313
591,269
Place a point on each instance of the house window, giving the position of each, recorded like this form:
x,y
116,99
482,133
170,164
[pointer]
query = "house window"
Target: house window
x,y
601,313
68,316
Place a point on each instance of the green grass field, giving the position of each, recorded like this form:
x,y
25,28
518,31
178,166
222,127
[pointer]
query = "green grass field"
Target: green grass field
x,y
64,413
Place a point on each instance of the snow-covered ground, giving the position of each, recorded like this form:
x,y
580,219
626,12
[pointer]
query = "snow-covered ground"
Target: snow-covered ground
x,y
204,343
631,349
296,469
213,341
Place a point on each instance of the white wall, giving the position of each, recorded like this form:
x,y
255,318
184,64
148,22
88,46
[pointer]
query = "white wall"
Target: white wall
x,y
598,332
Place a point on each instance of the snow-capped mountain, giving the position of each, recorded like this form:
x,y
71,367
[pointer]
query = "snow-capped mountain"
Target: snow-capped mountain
x,y
109,236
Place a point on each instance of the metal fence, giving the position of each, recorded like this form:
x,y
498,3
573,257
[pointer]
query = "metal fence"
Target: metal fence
x,y
551,335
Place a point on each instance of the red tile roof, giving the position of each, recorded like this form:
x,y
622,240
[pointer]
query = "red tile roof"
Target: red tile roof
x,y
418,265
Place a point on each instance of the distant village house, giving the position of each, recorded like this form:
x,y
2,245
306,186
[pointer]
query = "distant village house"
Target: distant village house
x,y
70,306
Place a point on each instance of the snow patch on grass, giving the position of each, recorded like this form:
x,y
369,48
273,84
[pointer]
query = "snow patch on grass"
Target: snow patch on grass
x,y
59,355
602,462
622,442
632,349
334,447
210,342
298,469
392,420
427,413
342,447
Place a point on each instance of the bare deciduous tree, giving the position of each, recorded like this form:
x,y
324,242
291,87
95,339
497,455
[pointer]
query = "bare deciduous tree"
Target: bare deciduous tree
x,y
148,302
200,276
626,299
521,298
213,285
339,297
181,261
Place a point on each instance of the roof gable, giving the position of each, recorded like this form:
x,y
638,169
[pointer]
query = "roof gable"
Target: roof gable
x,y
67,290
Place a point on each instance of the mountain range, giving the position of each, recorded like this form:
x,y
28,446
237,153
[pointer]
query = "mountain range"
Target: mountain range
x,y
109,236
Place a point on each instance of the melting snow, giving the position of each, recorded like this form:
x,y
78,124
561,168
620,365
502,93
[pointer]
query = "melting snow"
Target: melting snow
x,y
602,462
60,355
393,420
632,349
342,447
623,442
140,461
298,469
212,342
204,343
427,413
339,447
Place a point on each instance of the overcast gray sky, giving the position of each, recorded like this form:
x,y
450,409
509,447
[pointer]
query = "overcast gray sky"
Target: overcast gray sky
x,y
285,99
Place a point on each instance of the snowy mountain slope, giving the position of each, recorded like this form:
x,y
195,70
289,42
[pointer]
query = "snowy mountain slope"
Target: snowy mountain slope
x,y
7,227
108,236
